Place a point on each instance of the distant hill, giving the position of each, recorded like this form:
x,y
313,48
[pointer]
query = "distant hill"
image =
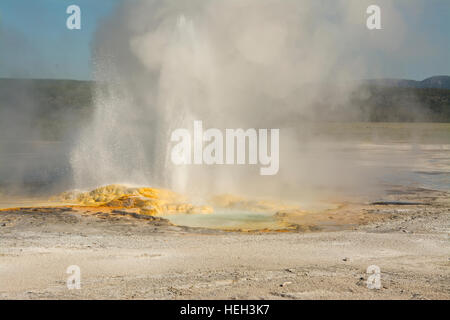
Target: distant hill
x,y
52,108
436,82
55,109
401,104
403,100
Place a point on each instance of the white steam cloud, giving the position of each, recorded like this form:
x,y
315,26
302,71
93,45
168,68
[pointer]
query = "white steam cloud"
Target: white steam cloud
x,y
232,64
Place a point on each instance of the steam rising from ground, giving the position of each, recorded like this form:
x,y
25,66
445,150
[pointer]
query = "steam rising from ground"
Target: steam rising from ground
x,y
232,64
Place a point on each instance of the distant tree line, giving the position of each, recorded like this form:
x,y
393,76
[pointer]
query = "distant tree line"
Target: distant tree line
x,y
59,107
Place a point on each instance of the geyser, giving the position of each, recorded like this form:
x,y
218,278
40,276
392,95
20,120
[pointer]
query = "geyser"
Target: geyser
x,y
231,64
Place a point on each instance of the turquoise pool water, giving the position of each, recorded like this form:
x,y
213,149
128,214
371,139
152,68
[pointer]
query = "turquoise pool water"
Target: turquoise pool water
x,y
228,220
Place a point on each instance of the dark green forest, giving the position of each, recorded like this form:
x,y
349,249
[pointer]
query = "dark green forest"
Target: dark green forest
x,y
58,107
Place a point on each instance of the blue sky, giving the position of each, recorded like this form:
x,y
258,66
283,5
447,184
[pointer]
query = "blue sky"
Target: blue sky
x,y
431,23
35,43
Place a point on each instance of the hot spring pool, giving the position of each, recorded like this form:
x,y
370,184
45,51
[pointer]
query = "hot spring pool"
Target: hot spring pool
x,y
228,220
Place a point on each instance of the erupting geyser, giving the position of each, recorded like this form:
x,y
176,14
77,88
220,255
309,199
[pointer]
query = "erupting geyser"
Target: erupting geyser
x,y
163,64
128,139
